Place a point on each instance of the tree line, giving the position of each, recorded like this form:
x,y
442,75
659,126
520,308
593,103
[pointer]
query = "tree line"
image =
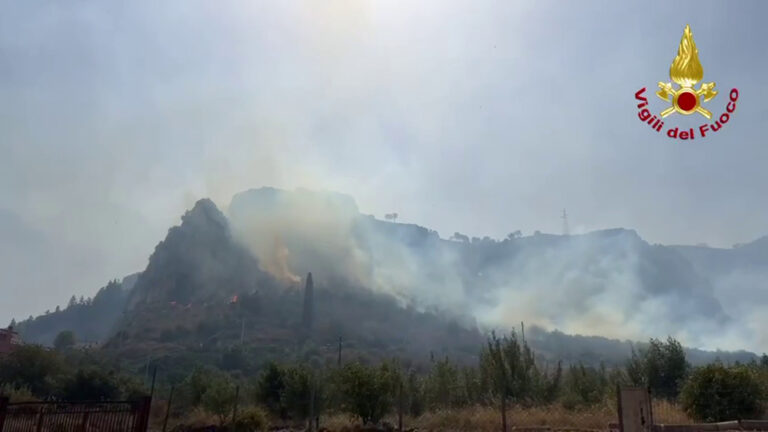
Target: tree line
x,y
507,374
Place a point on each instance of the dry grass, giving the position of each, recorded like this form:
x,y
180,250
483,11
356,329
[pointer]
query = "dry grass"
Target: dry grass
x,y
194,418
488,419
669,413
480,418
18,394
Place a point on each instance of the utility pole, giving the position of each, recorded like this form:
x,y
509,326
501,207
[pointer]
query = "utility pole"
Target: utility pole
x,y
311,402
168,409
146,370
400,406
237,401
503,412
338,362
242,332
566,231
154,376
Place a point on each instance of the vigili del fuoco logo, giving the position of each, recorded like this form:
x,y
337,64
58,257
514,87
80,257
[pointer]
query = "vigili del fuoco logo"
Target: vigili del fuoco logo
x,y
686,99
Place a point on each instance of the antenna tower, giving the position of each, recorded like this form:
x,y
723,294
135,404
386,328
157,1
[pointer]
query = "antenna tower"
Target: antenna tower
x,y
565,223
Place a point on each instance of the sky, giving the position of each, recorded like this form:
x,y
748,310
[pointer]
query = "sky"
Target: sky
x,y
482,117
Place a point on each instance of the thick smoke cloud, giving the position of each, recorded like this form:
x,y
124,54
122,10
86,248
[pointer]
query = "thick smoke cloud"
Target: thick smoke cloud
x,y
609,283
605,283
293,233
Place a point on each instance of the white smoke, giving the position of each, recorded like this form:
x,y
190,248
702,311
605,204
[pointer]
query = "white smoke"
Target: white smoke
x,y
608,283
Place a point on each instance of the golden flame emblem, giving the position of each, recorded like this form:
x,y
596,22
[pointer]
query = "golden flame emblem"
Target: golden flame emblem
x,y
686,71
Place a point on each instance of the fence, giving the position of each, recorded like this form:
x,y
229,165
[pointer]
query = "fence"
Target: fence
x,y
103,416
638,413
735,425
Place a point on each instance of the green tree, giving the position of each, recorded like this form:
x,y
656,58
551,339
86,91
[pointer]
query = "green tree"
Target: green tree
x,y
219,398
64,340
251,419
661,366
131,387
90,384
551,384
33,367
441,386
584,386
716,393
296,393
471,386
509,372
303,392
198,382
269,389
366,391
414,394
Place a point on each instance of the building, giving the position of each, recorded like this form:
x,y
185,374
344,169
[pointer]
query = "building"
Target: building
x,y
9,340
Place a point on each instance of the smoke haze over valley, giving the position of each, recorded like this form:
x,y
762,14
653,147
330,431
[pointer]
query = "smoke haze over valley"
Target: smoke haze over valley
x,y
610,283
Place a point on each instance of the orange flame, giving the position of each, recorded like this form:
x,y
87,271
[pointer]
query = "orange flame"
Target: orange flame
x,y
686,69
277,264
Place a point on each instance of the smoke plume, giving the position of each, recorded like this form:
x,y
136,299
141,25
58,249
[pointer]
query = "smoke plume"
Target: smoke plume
x,y
610,283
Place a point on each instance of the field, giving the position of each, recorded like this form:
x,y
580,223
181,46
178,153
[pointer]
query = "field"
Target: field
x,y
480,418
488,419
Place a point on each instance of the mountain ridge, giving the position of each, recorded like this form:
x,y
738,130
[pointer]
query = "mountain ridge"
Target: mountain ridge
x,y
270,237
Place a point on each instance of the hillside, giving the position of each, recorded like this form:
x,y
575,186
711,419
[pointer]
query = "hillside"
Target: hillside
x,y
608,282
203,293
91,319
392,289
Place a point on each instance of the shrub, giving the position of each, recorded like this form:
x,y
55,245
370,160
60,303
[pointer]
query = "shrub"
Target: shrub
x,y
584,386
297,392
64,340
717,393
219,398
131,388
366,391
661,366
32,366
90,384
415,403
250,420
17,394
508,370
442,385
304,393
198,382
269,388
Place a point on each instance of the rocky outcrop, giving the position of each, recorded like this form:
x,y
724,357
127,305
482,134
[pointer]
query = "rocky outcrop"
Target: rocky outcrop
x,y
198,259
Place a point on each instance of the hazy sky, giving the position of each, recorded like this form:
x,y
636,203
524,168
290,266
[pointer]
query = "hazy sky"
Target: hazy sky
x,y
479,117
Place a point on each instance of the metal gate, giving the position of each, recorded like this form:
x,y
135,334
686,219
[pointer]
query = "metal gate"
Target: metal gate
x,y
97,416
